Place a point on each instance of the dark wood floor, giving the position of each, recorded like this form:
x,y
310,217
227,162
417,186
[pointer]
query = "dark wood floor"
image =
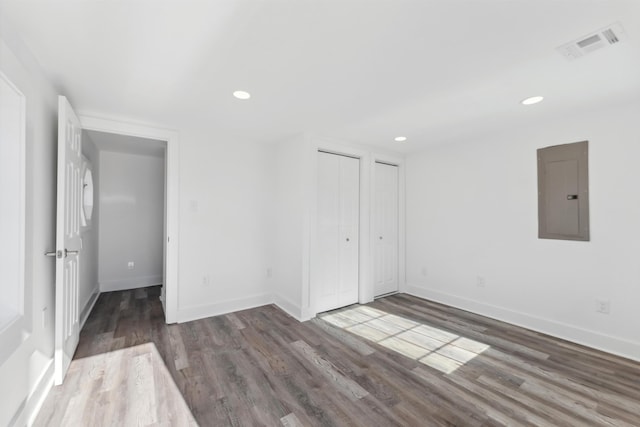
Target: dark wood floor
x,y
261,367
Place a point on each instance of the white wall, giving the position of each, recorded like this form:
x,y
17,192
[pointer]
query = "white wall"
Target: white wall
x,y
89,287
472,211
12,184
28,373
289,213
293,217
224,225
131,225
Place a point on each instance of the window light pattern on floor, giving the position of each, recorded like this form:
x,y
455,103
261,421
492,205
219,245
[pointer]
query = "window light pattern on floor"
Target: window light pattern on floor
x,y
431,346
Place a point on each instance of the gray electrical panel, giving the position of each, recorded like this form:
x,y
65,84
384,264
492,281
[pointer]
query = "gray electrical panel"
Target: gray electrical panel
x,y
563,192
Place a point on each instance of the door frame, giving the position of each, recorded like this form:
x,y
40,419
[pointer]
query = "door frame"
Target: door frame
x,y
365,286
316,261
172,202
398,161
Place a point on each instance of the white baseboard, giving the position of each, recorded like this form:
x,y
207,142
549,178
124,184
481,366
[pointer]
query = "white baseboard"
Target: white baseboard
x,y
288,307
162,299
187,314
86,311
40,393
593,339
129,283
307,314
31,406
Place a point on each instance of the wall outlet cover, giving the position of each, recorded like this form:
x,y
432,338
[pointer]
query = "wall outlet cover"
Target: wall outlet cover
x,y
603,306
480,281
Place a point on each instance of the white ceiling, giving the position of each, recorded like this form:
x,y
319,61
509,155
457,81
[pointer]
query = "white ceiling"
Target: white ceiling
x,y
362,70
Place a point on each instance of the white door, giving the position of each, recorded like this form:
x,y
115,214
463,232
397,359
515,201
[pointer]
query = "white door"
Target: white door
x,y
338,231
385,229
68,243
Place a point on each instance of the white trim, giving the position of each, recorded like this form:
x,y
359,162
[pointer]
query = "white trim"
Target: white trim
x,y
30,407
288,307
209,310
129,283
614,345
16,329
39,394
365,285
402,229
398,161
12,335
172,201
86,311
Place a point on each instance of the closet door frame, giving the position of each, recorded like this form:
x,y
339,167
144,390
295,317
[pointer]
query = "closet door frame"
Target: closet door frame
x,y
399,163
338,235
309,269
385,226
368,158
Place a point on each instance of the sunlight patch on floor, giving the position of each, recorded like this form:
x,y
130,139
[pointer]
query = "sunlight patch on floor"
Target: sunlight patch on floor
x,y
434,347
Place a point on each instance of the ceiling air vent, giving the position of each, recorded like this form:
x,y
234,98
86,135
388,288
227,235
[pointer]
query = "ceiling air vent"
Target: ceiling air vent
x,y
604,37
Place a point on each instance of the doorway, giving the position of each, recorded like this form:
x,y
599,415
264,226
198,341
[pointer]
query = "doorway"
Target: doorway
x,y
169,293
75,214
130,210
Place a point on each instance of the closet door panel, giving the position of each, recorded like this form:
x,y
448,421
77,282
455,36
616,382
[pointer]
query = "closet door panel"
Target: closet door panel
x,y
385,229
349,229
336,260
329,236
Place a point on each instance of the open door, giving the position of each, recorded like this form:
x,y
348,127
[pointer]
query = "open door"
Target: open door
x,y
68,243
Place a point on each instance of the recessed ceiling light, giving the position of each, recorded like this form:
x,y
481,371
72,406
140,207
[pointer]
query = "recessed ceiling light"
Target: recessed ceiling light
x,y
532,100
241,94
400,138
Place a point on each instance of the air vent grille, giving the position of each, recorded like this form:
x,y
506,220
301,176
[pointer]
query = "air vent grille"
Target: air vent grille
x,y
610,36
604,37
589,41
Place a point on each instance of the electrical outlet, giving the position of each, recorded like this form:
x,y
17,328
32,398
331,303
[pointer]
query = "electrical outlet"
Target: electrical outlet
x,y
424,271
603,306
130,265
480,281
269,272
205,280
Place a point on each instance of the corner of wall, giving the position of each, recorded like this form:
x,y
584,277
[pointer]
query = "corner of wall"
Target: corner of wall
x,y
288,307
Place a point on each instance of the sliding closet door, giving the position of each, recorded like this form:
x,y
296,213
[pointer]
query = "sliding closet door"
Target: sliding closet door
x,y
385,223
336,260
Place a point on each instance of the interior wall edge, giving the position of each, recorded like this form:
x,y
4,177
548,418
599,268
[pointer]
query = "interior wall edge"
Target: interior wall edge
x,y
613,345
289,307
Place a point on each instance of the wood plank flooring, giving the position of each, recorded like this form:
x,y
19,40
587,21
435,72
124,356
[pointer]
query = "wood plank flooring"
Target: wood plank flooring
x,y
131,386
399,361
